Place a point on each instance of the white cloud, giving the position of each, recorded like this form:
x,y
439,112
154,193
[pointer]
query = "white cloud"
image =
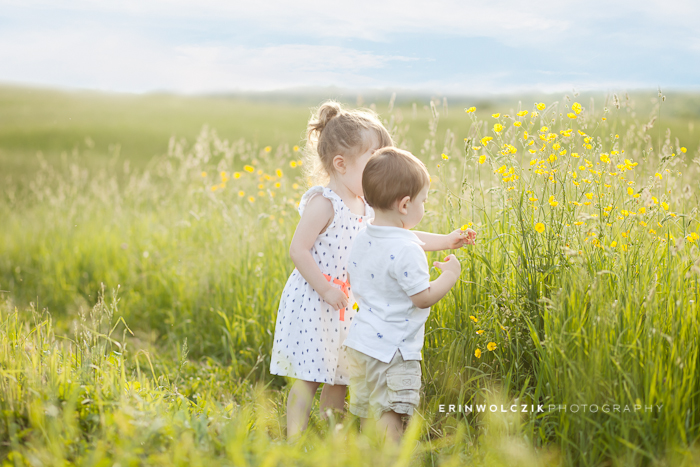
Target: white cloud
x,y
141,45
364,19
121,60
509,20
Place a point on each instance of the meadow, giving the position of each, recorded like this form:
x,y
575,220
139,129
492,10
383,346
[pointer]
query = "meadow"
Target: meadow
x,y
144,245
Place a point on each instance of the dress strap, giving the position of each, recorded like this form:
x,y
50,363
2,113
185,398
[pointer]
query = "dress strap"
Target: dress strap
x,y
306,197
336,201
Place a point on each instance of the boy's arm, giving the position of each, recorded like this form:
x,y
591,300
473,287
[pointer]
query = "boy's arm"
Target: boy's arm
x,y
453,240
316,218
440,286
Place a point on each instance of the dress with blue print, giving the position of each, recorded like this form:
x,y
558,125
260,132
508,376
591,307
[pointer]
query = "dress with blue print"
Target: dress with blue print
x,y
308,331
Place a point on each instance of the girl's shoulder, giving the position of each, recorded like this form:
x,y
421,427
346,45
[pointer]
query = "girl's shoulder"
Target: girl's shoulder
x,y
326,193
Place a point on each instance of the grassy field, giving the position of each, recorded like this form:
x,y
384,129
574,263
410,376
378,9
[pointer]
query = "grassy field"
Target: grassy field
x,y
159,248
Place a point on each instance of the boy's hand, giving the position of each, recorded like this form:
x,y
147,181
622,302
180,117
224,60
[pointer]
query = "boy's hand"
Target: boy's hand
x,y
469,236
451,264
459,238
335,298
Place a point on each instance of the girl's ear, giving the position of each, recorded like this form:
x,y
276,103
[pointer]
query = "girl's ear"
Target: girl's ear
x,y
403,205
339,164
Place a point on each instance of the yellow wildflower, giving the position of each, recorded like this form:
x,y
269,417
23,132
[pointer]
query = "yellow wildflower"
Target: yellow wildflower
x,y
473,318
268,148
522,113
539,227
470,110
498,128
496,115
576,107
482,159
249,168
477,353
445,156
541,106
492,345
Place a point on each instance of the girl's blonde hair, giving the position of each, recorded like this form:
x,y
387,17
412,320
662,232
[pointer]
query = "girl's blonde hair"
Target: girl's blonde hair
x,y
334,131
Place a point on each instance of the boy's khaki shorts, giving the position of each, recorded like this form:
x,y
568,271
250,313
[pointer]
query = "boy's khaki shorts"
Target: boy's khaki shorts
x,y
377,387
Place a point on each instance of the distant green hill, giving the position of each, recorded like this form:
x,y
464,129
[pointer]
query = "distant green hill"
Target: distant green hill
x,y
90,124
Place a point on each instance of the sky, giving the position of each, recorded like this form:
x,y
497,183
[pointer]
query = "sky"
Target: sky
x,y
445,46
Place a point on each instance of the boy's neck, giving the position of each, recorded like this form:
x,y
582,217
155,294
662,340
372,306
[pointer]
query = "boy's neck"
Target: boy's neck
x,y
387,218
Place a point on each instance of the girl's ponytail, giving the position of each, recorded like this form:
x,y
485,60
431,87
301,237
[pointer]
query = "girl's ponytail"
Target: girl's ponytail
x,y
324,114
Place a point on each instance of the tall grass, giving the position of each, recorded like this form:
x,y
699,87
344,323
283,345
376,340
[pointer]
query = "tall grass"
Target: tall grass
x,y
561,303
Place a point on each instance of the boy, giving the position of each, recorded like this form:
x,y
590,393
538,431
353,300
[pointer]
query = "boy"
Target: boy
x,y
390,280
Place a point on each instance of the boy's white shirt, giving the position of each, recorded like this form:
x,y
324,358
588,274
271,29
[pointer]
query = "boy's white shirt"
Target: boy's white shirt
x,y
387,266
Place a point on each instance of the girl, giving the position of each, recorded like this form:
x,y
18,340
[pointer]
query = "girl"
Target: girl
x,y
316,307
315,310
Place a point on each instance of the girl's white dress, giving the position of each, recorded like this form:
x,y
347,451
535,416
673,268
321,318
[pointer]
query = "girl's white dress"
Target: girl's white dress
x,y
309,332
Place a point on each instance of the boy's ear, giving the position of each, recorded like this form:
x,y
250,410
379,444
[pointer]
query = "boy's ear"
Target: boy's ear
x,y
403,204
339,164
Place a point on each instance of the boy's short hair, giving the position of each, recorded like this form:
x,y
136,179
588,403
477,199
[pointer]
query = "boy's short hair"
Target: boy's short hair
x,y
390,174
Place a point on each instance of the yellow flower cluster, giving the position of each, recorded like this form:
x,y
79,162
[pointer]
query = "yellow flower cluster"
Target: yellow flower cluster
x,y
588,194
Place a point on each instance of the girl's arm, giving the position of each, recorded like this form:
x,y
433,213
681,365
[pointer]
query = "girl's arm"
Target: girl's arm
x,y
453,240
317,216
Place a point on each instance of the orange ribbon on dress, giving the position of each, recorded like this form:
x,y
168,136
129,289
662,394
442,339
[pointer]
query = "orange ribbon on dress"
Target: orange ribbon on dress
x,y
345,287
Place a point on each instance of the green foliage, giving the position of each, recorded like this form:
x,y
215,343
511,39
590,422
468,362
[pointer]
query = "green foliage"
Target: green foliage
x,y
195,241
